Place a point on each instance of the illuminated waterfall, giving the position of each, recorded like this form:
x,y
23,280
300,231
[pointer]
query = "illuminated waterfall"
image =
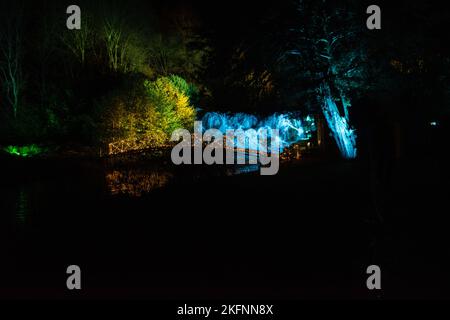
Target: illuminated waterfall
x,y
292,128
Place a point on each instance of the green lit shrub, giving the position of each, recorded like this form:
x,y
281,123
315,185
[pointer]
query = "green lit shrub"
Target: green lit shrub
x,y
170,96
188,89
24,151
147,113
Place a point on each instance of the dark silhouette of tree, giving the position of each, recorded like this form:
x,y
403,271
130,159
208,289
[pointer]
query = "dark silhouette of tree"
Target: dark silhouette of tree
x,y
11,54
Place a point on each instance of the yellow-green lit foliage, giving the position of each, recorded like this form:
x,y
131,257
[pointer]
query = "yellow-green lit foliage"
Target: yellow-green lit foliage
x,y
150,117
170,96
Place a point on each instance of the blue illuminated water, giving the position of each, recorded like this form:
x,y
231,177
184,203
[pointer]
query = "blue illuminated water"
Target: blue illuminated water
x,y
292,128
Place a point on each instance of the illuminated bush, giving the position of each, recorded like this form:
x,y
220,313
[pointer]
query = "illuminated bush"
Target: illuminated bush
x,y
24,151
170,96
188,89
130,119
148,114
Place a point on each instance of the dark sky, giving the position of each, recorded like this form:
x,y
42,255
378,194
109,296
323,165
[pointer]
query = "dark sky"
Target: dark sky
x,y
231,16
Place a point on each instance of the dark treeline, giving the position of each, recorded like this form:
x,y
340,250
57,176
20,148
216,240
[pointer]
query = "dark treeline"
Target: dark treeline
x,y
73,85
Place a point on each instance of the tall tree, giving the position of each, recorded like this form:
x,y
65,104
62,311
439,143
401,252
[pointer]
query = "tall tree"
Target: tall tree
x,y
326,52
11,58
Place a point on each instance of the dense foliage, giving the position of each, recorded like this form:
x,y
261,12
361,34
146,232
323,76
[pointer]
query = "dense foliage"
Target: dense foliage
x,y
150,113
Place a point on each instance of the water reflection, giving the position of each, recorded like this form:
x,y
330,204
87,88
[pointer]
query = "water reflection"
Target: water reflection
x,y
242,169
135,182
22,206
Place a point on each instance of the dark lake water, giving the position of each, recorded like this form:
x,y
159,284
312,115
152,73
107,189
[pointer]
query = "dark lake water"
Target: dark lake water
x,y
152,230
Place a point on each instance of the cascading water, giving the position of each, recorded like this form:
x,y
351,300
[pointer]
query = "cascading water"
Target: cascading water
x,y
291,128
